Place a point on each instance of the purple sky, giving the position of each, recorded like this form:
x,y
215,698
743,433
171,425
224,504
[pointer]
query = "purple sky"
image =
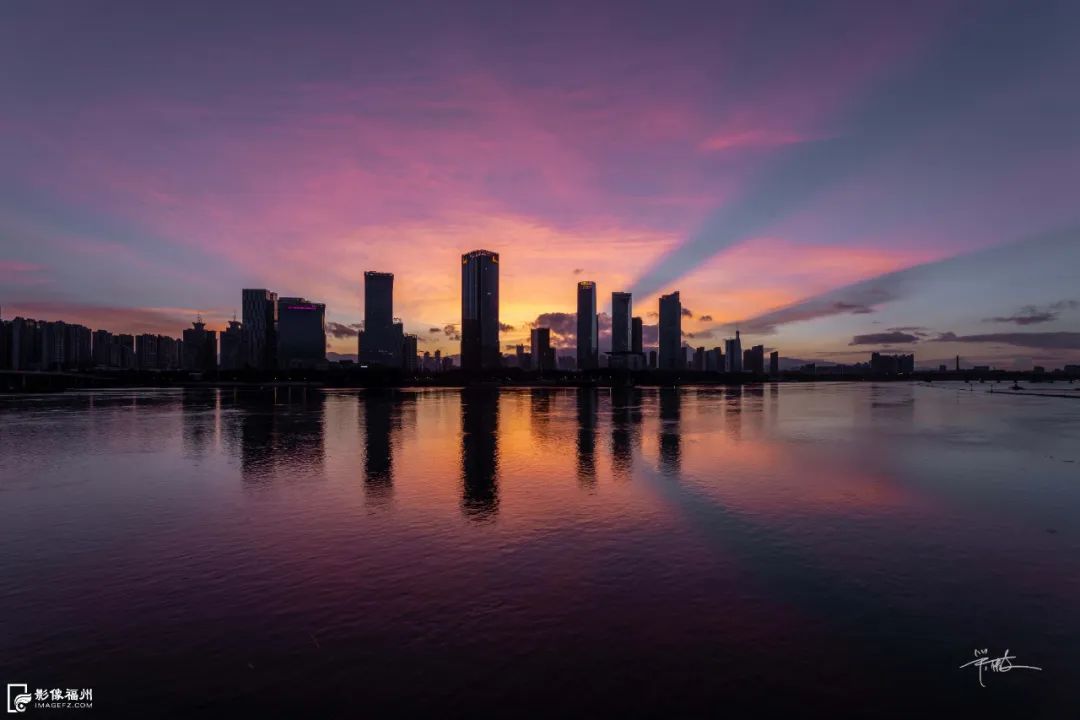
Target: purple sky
x,y
837,178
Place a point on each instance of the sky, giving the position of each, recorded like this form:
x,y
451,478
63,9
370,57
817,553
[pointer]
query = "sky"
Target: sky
x,y
832,178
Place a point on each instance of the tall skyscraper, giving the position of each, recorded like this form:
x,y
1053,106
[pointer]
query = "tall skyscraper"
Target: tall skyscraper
x,y
774,363
233,347
671,353
480,310
301,333
543,355
260,328
636,334
200,348
588,329
381,340
733,356
408,354
621,312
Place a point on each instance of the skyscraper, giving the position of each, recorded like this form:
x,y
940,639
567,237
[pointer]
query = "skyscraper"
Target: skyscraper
x,y
621,312
301,333
733,356
671,353
543,355
408,352
232,347
260,328
480,310
774,363
588,332
380,342
200,348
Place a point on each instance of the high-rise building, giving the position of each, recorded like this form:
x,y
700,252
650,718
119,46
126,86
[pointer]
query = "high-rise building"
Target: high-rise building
x,y
774,363
699,359
754,360
77,347
125,351
146,351
233,346
636,333
670,330
301,333
480,310
380,342
652,359
588,327
408,354
714,360
892,364
621,312
260,327
101,343
733,355
543,355
168,353
200,348
5,345
25,344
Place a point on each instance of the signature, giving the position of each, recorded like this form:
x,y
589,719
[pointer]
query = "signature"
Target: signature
x,y
1002,664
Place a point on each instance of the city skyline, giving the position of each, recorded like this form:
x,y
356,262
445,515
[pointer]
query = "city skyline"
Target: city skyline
x,y
920,199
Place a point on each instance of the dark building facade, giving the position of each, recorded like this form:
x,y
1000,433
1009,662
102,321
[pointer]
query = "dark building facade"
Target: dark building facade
x,y
480,310
671,356
233,347
301,333
588,328
622,309
260,328
543,355
381,340
892,364
200,348
774,363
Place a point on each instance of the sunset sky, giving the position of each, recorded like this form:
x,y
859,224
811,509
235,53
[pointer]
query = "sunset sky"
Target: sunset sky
x,y
836,178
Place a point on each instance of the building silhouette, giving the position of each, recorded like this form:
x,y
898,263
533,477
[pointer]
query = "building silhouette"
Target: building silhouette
x,y
301,333
382,339
774,363
480,310
200,348
754,360
233,347
409,360
671,353
588,327
891,364
543,355
621,312
259,316
733,355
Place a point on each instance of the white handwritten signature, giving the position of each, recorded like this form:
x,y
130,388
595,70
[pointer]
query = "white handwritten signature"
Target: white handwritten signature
x,y
1002,664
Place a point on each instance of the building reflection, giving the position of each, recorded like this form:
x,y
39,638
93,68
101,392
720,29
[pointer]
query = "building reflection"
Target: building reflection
x,y
625,419
200,412
586,436
282,434
670,440
379,424
733,412
479,452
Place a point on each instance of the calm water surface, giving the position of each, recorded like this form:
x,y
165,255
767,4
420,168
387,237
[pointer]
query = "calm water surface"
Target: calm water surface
x,y
694,551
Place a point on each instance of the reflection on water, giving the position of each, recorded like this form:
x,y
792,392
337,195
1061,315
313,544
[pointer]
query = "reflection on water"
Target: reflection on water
x,y
659,551
479,452
586,437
